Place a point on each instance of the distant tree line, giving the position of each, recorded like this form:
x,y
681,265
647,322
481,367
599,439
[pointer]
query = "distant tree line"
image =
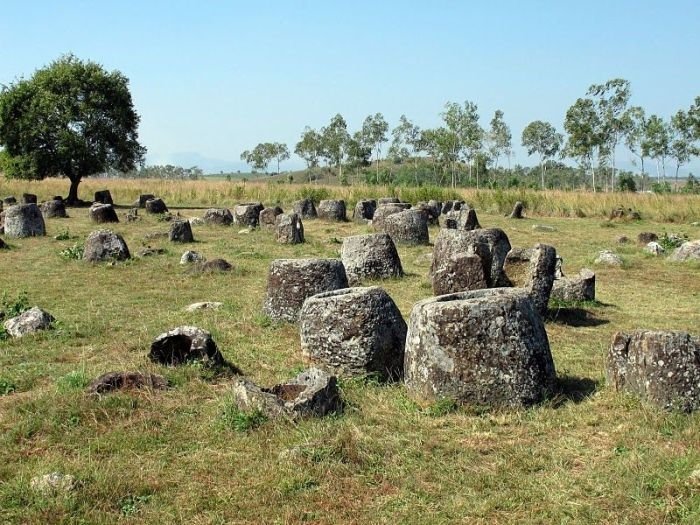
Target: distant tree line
x,y
461,152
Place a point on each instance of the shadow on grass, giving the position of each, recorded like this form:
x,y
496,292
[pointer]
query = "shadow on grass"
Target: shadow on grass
x,y
572,389
575,316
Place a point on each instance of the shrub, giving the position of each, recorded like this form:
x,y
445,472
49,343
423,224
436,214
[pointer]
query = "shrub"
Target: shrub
x,y
74,252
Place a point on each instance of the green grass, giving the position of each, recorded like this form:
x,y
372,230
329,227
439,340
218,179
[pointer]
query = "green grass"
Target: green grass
x,y
186,454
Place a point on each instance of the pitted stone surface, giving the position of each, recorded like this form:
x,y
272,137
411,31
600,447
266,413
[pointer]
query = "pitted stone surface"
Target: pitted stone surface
x,y
364,210
407,227
184,344
458,273
53,209
112,381
289,229
247,214
385,210
354,331
291,281
463,219
24,220
219,216
103,197
662,367
484,347
517,212
687,251
156,206
532,269
305,208
141,202
267,217
580,287
332,210
103,213
371,256
105,245
181,231
33,320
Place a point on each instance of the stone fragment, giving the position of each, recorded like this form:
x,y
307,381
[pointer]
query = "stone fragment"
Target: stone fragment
x,y
305,209
103,213
149,252
607,257
458,273
54,484
385,210
268,216
184,344
143,199
103,197
24,220
462,219
218,216
181,231
371,256
156,206
654,248
407,227
29,198
206,305
291,281
662,367
313,392
517,212
687,251
354,331
647,237
543,228
532,269
483,347
289,229
53,209
364,210
578,288
449,206
332,210
215,265
105,245
29,322
190,257
112,381
247,214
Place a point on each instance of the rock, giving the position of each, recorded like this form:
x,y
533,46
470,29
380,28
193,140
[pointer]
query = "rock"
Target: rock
x,y
132,215
532,269
354,331
181,231
543,228
609,258
558,273
29,198
517,212
625,213
305,209
54,484
218,216
150,236
191,257
463,219
484,347
491,245
622,239
654,248
431,211
575,289
32,321
459,272
3,246
103,197
9,201
24,220
385,210
156,206
103,213
364,210
126,381
105,245
291,281
449,206
53,209
247,214
372,256
662,367
215,265
206,305
388,200
143,199
268,216
289,229
311,393
149,252
184,344
687,251
332,210
647,237
407,227
196,221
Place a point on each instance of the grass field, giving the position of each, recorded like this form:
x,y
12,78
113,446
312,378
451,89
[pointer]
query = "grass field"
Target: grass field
x,y
588,455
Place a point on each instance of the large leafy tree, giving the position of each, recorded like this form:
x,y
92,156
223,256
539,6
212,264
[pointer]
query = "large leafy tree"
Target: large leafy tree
x,y
72,118
406,141
585,136
542,138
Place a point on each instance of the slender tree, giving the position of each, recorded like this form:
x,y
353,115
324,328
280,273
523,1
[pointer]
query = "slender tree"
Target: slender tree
x,y
406,141
682,147
498,138
582,124
374,132
309,148
542,138
657,142
334,139
635,134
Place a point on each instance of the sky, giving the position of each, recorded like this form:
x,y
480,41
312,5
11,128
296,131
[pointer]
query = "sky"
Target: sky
x,y
211,79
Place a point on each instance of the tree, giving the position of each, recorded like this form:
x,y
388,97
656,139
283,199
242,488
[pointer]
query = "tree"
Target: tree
x,y
280,153
334,140
358,151
498,138
682,147
635,133
657,143
72,118
611,105
374,130
258,159
582,124
309,148
406,141
465,134
542,138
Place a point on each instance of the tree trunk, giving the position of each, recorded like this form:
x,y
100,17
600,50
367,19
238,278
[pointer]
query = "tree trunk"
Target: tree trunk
x,y
73,191
542,172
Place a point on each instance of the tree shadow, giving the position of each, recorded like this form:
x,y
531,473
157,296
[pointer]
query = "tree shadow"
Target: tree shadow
x,y
575,317
573,389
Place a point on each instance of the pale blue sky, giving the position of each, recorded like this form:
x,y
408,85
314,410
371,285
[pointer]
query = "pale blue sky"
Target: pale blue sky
x,y
211,79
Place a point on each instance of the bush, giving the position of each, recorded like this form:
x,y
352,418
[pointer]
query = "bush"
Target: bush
x,y
74,252
626,182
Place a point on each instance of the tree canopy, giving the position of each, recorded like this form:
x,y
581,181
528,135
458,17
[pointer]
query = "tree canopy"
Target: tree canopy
x,y
72,118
